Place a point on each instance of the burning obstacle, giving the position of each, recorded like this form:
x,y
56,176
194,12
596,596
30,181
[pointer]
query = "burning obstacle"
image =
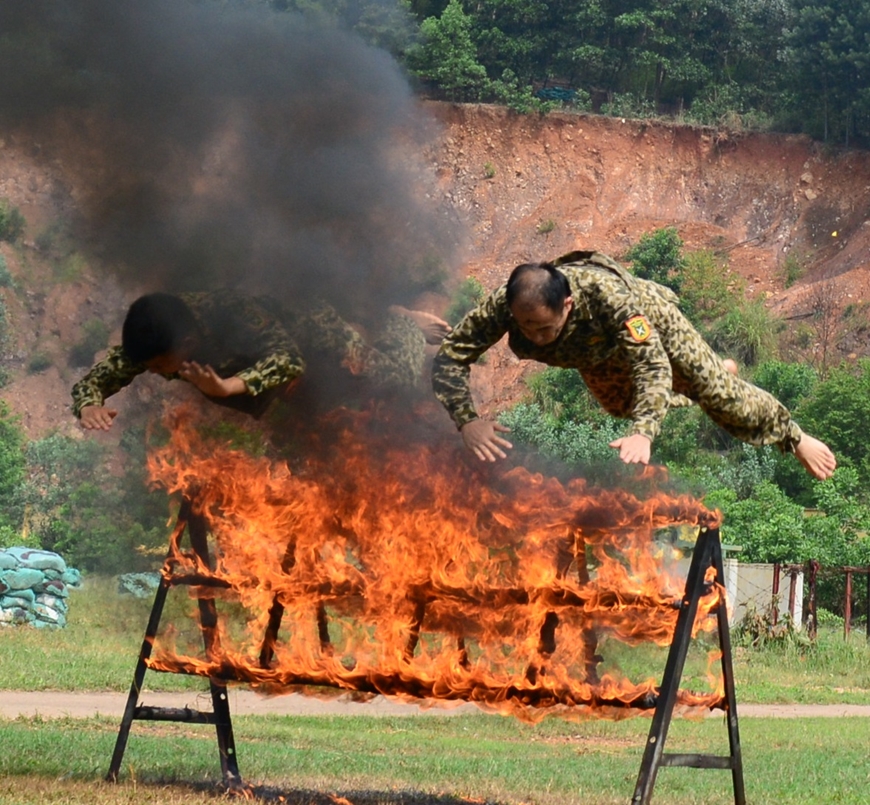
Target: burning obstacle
x,y
382,567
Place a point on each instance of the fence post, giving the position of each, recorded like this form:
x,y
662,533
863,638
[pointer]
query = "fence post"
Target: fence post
x,y
868,603
813,571
847,606
774,604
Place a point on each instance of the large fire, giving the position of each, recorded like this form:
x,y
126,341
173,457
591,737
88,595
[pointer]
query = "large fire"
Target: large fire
x,y
406,568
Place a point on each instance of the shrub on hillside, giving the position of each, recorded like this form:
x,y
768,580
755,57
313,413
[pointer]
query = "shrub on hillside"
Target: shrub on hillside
x,y
11,222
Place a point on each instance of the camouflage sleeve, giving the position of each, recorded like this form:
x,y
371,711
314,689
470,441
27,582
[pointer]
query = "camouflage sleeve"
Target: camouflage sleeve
x,y
651,373
451,370
281,361
104,379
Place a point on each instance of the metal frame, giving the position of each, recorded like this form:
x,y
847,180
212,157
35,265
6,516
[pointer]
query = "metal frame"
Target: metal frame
x,y
220,715
707,553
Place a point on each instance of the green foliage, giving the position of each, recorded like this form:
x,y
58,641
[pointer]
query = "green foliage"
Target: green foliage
x,y
759,631
837,412
768,525
12,222
739,470
788,382
5,276
792,269
70,267
630,105
448,55
545,227
72,505
707,292
12,469
39,362
577,443
657,256
248,440
95,336
562,395
489,171
468,295
747,332
4,326
518,95
825,50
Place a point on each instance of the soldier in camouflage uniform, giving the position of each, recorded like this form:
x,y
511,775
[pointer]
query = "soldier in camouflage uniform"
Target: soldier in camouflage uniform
x,y
241,352
231,348
635,350
394,356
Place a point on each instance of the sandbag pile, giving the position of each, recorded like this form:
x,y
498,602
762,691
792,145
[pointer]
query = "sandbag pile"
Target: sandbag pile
x,y
34,587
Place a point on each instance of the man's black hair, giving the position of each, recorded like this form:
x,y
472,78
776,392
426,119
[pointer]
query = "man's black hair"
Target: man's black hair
x,y
538,284
156,324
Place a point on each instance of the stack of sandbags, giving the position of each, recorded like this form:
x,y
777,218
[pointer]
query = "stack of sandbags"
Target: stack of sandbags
x,y
34,587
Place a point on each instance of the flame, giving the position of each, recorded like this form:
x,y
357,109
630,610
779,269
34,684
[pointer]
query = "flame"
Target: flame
x,y
401,567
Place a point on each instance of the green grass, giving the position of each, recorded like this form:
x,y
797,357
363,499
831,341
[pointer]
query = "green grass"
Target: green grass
x,y
431,760
438,758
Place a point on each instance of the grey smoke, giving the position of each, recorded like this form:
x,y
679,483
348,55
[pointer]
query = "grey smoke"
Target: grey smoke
x,y
211,144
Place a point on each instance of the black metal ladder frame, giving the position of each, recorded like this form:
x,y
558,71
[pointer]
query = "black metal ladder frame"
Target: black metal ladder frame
x,y
195,525
707,553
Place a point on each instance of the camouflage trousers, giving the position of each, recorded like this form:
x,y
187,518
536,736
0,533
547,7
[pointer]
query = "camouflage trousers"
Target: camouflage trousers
x,y
393,357
699,376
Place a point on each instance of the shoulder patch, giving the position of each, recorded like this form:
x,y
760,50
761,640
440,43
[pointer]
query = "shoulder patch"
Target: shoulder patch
x,y
639,328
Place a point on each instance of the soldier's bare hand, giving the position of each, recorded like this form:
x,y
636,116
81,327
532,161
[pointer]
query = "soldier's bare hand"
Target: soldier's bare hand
x,y
634,449
97,417
480,436
209,382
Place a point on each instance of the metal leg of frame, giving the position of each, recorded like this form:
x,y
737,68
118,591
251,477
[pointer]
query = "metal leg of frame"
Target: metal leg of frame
x,y
708,552
220,715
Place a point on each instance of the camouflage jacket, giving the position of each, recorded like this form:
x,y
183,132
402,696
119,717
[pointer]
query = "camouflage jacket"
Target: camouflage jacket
x,y
610,334
241,339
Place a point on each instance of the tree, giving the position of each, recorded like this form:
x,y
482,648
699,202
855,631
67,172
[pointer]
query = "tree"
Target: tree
x,y
657,256
837,411
448,55
829,60
788,382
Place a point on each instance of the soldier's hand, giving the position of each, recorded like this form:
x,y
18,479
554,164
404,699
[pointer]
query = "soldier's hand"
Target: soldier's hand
x,y
209,382
634,449
480,436
97,417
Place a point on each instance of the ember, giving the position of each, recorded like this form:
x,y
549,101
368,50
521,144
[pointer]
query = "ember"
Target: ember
x,y
383,566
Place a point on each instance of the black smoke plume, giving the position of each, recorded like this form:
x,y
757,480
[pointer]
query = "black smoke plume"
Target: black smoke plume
x,y
210,144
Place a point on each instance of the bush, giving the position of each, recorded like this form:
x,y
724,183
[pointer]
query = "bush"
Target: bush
x,y
788,382
658,257
580,444
708,292
748,333
468,296
11,222
38,362
95,336
5,276
518,96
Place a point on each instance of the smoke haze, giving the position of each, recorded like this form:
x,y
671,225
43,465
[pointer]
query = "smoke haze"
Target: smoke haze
x,y
211,145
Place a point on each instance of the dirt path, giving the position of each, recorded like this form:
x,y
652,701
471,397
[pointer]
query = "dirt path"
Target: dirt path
x,y
53,704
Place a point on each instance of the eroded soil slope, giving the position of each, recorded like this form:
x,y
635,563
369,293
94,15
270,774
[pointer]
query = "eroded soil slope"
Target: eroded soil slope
x,y
525,188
